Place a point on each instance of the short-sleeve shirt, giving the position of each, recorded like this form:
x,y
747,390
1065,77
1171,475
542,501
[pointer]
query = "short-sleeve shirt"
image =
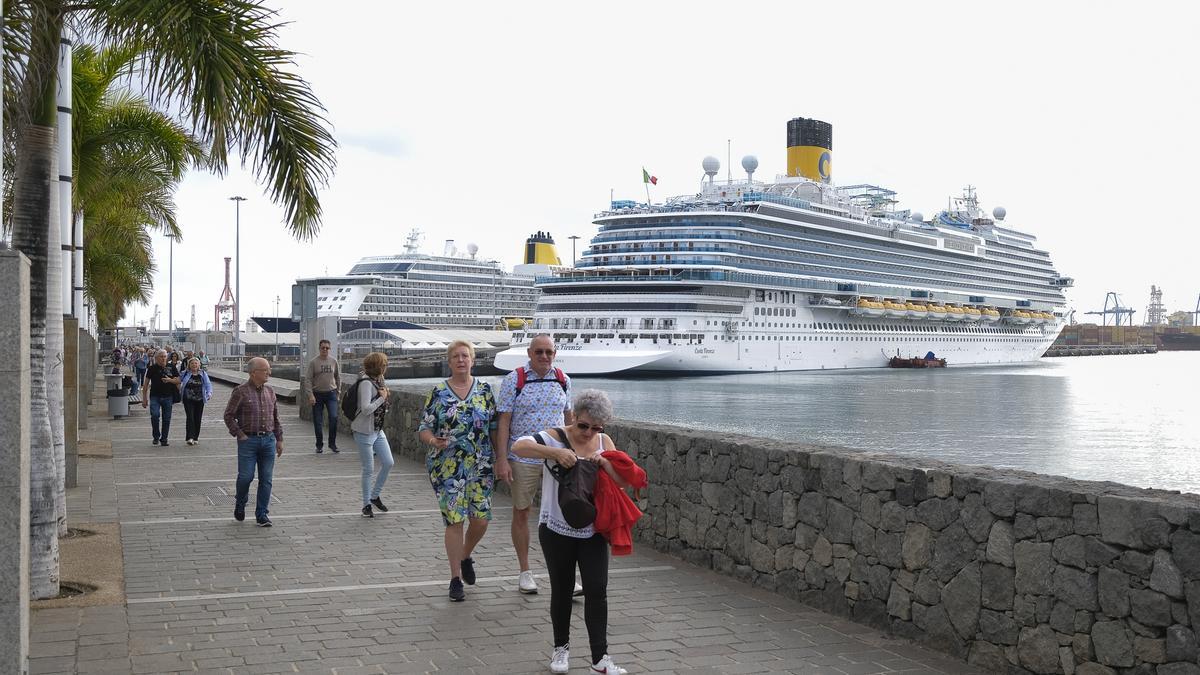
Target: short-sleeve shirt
x,y
541,405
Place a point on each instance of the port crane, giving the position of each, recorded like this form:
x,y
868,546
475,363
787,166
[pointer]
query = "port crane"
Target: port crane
x,y
1122,315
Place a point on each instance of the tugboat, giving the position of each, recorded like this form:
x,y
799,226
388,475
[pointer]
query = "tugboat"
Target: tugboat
x,y
928,361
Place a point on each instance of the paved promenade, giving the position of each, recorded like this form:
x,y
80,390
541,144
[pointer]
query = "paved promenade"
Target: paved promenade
x,y
326,590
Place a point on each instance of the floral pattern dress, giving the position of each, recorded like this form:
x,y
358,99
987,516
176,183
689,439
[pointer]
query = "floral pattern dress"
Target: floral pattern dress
x,y
462,475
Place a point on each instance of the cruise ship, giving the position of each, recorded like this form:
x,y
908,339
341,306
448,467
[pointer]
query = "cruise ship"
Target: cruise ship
x,y
796,274
454,290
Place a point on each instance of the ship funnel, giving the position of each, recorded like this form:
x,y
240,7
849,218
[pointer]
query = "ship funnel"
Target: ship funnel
x,y
810,149
539,250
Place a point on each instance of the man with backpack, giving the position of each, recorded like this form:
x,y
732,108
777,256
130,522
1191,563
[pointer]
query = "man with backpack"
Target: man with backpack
x,y
322,379
533,397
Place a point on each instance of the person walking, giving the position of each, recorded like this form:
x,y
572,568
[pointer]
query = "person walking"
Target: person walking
x,y
159,389
533,397
141,362
368,431
196,389
566,547
321,380
459,426
252,417
203,360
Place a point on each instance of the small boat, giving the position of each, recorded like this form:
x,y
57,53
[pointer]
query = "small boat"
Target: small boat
x,y
916,311
916,362
955,313
936,311
867,307
990,314
894,309
973,313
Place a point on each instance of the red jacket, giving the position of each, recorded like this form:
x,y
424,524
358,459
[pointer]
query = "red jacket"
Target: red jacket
x,y
615,511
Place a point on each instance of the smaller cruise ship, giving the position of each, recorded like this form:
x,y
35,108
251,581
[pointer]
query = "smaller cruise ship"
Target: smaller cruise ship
x,y
453,290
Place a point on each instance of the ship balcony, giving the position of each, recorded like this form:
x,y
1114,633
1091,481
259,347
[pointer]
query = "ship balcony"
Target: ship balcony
x,y
1063,282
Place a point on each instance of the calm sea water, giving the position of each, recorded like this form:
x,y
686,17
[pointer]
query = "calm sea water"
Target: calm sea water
x,y
1131,419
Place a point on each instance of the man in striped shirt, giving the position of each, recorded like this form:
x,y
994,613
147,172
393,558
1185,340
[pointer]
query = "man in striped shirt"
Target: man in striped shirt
x,y
253,418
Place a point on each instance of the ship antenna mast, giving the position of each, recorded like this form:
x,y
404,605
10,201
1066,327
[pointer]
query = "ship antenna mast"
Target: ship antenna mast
x,y
413,241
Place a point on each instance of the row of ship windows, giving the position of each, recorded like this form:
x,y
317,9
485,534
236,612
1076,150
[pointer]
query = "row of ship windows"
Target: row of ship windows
x,y
857,275
824,264
1036,276
898,327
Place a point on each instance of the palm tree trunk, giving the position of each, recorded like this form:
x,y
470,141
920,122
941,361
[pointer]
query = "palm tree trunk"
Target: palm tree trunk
x,y
33,199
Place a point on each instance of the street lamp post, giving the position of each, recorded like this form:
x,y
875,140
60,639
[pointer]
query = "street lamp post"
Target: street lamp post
x,y
277,329
171,285
573,238
237,292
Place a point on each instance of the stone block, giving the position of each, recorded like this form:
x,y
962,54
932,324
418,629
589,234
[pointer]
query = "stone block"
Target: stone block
x,y
937,513
952,549
1000,498
1035,567
1113,592
899,603
998,628
1178,669
1070,550
1000,544
1165,576
1149,650
1150,608
840,523
961,598
1112,644
917,549
1076,588
1037,649
1185,550
1181,644
976,517
1086,519
1093,669
893,517
997,587
1122,520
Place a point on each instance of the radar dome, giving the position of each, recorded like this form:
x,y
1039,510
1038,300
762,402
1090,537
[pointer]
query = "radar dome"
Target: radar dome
x,y
472,249
711,165
998,213
750,163
917,217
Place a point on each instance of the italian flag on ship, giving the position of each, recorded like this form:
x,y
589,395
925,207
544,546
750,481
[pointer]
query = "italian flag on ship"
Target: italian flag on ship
x,y
647,178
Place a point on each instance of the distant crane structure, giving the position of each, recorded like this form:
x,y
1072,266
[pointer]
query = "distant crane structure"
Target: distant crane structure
x,y
1122,315
224,306
1156,314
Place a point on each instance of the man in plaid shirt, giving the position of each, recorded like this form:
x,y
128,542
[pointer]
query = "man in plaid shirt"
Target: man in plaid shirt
x,y
253,418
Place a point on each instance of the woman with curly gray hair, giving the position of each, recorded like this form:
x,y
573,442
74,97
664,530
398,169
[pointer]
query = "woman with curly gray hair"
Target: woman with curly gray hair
x,y
566,547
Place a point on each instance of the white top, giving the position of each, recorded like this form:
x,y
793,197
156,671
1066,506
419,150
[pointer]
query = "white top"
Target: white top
x,y
364,421
551,515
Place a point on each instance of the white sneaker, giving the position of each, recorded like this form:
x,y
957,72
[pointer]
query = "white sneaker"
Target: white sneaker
x,y
560,662
606,665
578,590
528,584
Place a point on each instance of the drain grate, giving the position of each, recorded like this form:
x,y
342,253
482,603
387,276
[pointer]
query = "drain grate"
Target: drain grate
x,y
230,500
195,490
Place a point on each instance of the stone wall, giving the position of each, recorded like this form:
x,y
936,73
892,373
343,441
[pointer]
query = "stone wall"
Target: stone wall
x,y
1008,570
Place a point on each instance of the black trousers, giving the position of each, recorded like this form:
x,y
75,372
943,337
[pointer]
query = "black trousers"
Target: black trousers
x,y
194,411
563,554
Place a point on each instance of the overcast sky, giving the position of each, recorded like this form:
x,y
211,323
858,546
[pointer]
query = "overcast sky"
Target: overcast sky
x,y
484,122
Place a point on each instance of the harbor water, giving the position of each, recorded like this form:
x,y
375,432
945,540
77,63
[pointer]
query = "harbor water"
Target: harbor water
x,y
1128,419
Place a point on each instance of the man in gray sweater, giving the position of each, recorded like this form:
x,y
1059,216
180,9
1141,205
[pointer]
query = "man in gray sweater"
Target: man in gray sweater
x,y
321,381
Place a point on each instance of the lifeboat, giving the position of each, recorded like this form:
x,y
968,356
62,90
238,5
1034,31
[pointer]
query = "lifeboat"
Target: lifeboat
x,y
916,311
936,311
990,314
973,313
1020,316
867,307
955,313
1045,317
894,309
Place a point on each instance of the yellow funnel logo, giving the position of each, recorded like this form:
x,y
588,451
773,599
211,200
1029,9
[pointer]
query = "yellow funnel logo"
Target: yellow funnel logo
x,y
812,162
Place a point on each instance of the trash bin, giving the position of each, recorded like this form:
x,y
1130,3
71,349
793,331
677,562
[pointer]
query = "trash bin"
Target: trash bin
x,y
118,395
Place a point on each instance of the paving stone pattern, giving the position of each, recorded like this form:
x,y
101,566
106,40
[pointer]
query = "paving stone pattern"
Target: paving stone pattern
x,y
325,590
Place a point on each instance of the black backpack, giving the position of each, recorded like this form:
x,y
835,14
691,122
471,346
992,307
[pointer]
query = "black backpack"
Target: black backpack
x,y
350,399
575,486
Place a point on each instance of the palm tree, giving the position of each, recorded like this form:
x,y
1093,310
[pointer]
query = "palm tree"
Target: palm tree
x,y
128,158
215,61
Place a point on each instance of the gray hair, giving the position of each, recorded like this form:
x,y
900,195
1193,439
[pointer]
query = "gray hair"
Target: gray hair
x,y
595,404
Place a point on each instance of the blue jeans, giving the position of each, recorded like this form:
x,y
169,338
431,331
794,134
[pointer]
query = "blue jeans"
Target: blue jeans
x,y
160,406
327,401
255,451
370,446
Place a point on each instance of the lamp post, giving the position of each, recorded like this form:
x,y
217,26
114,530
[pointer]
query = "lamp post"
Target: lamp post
x,y
573,238
277,329
237,291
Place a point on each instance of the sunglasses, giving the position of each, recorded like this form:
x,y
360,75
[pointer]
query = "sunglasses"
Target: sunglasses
x,y
584,426
544,352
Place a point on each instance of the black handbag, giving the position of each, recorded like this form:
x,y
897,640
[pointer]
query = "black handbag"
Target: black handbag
x,y
576,486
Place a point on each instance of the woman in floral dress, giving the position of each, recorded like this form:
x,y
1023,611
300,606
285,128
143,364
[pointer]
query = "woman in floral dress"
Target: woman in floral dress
x,y
457,425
